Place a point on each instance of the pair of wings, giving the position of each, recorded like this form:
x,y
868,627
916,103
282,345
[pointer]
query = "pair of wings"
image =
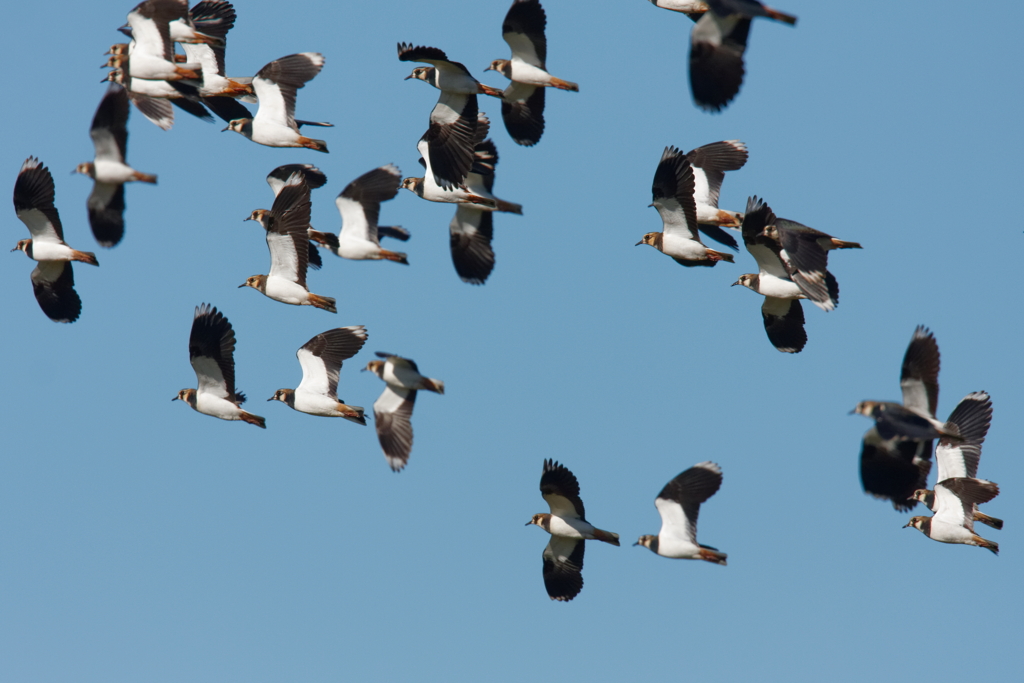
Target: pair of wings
x,y
276,84
680,500
288,228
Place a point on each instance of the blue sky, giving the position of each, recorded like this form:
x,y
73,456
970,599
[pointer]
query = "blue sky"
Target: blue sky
x,y
141,541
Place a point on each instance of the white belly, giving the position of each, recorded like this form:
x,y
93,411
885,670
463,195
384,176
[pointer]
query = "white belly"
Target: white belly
x,y
286,291
113,172
529,74
208,404
678,548
683,248
570,528
779,288
50,251
357,249
273,134
316,404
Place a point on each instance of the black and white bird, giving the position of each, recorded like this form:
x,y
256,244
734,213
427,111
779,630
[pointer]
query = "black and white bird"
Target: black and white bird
x,y
569,529
392,412
472,228
804,253
717,43
673,193
151,54
108,169
955,502
691,8
275,86
211,350
893,468
781,310
359,206
959,459
452,134
321,359
522,102
287,226
709,163
427,188
53,280
679,504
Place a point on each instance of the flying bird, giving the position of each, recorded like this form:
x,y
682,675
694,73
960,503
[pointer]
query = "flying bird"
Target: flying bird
x,y
392,412
448,143
359,206
53,281
569,529
275,86
804,253
717,43
953,522
709,163
211,350
679,504
522,102
893,468
287,226
152,50
673,193
315,178
108,169
959,459
321,359
427,188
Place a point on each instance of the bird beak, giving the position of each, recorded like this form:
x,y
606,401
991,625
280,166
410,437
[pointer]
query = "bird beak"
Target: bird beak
x,y
225,129
407,77
852,412
638,243
529,523
271,398
248,218
175,398
908,524
242,285
636,544
735,283
16,249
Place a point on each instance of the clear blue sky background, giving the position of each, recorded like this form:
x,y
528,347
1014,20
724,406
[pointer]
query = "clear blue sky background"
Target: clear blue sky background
x,y
141,541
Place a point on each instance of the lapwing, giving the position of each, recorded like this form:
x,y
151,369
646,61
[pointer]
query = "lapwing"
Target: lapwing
x,y
275,86
522,102
53,280
804,253
427,188
679,504
569,529
321,359
392,412
211,350
108,169
953,522
709,163
152,51
673,197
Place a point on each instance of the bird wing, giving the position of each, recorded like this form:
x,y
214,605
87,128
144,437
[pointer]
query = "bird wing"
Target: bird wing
x,y
679,501
106,212
322,356
280,176
277,82
287,235
359,202
972,416
53,283
717,45
764,250
450,138
919,375
523,30
892,469
430,55
710,162
522,110
563,567
33,202
470,235
560,489
392,414
211,350
784,323
672,192
109,131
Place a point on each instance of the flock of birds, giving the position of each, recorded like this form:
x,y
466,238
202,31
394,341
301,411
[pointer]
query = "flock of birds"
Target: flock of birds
x,y
459,163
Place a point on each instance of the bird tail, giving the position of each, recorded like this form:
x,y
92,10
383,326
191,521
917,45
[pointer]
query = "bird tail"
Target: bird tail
x,y
509,207
985,543
993,522
564,85
780,16
482,201
352,413
318,145
840,244
435,385
720,256
398,256
260,422
493,92
606,536
84,257
729,219
712,555
325,302
145,177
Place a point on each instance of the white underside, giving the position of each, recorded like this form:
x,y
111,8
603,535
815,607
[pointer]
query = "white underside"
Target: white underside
x,y
570,528
113,172
208,404
529,74
286,291
769,285
50,251
678,548
680,247
357,249
274,134
316,404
